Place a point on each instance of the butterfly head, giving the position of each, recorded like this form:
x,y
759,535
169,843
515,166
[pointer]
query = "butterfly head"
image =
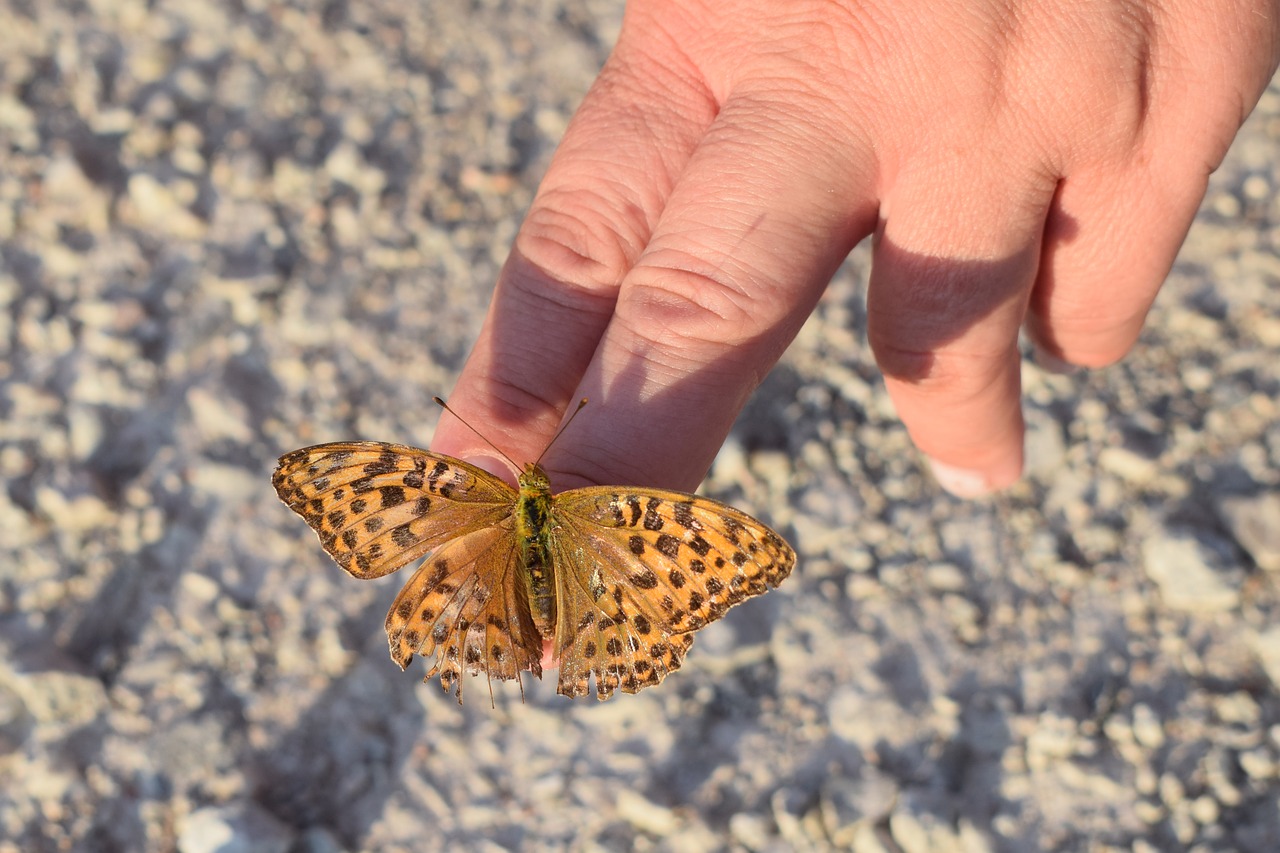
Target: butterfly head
x,y
534,479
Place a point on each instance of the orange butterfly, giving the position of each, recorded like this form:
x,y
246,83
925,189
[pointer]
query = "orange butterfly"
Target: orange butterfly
x,y
617,577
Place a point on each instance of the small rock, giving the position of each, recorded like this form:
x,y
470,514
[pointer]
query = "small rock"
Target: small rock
x,y
945,577
923,833
1127,465
1258,764
752,831
646,815
910,834
1205,811
1147,728
217,416
62,698
154,206
1044,447
1179,566
847,804
1172,793
1255,524
1237,708
241,828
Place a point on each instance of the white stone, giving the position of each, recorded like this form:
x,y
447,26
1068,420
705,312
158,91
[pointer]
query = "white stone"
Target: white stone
x,y
646,815
1178,566
1255,523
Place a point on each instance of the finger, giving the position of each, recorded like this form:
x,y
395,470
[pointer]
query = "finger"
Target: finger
x,y
952,270
1130,196
1111,240
592,216
761,218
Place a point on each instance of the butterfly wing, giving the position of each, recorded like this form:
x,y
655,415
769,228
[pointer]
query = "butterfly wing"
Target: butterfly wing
x,y
466,606
639,571
378,507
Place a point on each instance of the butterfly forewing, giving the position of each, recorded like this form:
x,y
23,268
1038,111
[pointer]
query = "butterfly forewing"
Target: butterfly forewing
x,y
639,570
377,507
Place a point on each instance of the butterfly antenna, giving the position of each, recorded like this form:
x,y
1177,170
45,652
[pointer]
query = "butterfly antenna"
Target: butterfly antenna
x,y
560,431
442,404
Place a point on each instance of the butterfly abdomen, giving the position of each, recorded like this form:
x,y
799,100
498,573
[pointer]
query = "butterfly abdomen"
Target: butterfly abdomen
x,y
533,530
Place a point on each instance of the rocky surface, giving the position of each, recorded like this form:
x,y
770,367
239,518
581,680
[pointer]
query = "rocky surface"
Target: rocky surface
x,y
226,234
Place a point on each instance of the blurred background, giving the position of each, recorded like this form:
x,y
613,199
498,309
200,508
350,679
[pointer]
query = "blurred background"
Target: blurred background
x,y
230,230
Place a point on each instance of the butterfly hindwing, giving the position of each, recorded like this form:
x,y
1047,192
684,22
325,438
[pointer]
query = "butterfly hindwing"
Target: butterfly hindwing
x,y
606,628
377,507
639,571
466,606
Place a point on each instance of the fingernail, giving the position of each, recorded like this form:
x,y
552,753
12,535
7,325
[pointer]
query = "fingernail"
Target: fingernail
x,y
1051,363
961,482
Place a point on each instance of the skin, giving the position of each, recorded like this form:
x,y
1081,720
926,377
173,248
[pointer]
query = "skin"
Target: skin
x,y
1018,163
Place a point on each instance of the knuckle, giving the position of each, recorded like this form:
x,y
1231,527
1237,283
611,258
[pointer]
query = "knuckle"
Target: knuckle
x,y
676,300
956,373
583,238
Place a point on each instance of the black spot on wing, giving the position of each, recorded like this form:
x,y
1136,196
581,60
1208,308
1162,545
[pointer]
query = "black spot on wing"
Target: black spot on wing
x,y
403,536
644,579
667,545
652,518
386,462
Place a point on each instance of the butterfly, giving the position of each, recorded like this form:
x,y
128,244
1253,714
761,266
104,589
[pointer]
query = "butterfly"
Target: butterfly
x,y
618,578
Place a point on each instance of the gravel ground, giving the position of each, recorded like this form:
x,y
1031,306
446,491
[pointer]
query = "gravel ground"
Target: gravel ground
x,y
224,235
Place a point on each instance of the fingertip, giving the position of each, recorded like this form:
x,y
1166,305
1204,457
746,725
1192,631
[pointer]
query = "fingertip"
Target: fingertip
x,y
972,483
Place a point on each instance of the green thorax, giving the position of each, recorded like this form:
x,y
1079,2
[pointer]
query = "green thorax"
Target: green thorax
x,y
533,531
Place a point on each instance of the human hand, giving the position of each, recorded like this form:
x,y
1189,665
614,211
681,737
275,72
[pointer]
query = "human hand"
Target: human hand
x,y
1033,162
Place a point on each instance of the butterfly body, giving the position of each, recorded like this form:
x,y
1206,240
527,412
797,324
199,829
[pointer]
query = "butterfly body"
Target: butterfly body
x,y
533,520
617,578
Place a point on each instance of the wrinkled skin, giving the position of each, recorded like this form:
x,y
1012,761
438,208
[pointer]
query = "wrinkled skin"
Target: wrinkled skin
x,y
1021,162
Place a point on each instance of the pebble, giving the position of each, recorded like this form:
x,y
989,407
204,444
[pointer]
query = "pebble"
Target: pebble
x,y
243,828
1255,523
1147,728
1180,568
646,815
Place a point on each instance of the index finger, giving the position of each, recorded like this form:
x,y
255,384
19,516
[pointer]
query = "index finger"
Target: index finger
x,y
591,219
